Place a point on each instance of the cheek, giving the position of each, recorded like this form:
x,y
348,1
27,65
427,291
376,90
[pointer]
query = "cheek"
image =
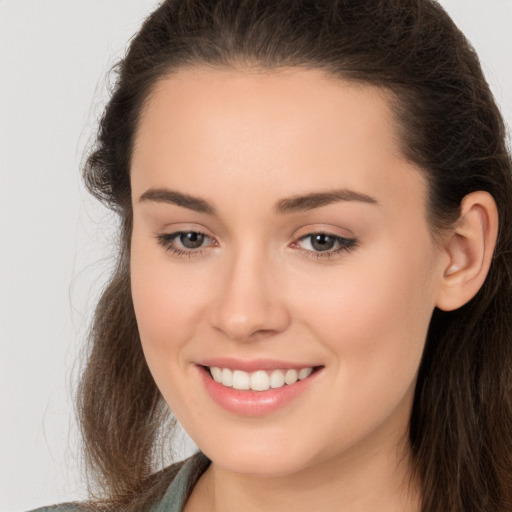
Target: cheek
x,y
374,313
168,304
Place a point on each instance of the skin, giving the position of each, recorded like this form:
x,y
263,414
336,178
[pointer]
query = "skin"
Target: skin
x,y
244,140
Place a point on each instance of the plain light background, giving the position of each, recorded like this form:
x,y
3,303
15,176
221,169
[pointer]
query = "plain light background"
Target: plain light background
x,y
56,242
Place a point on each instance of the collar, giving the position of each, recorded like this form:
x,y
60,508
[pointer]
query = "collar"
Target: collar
x,y
182,484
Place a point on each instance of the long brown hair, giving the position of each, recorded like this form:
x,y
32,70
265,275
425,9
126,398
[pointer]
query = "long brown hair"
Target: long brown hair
x,y
461,423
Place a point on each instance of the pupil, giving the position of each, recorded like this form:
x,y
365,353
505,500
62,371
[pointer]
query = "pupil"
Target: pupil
x,y
191,240
322,242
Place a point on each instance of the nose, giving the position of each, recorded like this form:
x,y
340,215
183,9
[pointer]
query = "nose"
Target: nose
x,y
250,302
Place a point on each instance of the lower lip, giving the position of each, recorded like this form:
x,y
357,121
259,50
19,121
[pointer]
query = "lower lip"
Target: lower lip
x,y
254,403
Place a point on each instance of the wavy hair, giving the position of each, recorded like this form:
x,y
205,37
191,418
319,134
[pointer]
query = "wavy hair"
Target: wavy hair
x,y
461,423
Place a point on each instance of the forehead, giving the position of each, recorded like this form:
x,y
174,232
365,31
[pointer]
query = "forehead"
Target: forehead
x,y
287,131
284,102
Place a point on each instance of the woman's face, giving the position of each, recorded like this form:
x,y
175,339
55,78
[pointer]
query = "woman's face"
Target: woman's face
x,y
280,233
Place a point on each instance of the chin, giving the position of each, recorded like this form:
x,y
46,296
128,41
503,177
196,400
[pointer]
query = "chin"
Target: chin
x,y
261,465
261,457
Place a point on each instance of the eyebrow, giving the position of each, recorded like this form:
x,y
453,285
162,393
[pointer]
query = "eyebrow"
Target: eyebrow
x,y
287,205
318,199
164,195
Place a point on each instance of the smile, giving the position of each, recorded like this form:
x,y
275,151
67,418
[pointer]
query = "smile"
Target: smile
x,y
257,387
260,380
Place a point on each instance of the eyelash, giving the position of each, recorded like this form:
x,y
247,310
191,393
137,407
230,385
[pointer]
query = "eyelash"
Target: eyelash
x,y
168,242
344,245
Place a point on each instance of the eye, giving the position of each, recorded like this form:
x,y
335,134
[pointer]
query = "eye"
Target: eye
x,y
191,240
185,243
325,244
320,242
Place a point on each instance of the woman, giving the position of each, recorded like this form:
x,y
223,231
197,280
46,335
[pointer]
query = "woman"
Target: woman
x,y
315,263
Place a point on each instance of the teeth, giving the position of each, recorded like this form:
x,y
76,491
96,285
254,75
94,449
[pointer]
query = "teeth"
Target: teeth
x,y
260,380
305,373
277,379
241,380
227,377
291,377
216,374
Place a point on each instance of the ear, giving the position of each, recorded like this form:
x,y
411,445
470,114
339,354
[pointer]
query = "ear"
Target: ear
x,y
469,247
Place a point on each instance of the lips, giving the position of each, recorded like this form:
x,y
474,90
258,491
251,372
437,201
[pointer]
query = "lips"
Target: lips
x,y
256,388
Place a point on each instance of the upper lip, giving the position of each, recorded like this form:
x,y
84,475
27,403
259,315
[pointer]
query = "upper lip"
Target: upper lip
x,y
253,365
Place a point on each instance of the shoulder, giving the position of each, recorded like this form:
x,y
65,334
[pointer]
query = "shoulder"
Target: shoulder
x,y
170,488
64,507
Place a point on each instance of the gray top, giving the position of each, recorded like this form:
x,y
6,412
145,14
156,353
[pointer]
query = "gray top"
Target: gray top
x,y
176,495
182,485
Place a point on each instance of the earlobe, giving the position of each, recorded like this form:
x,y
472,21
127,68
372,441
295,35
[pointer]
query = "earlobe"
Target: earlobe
x,y
470,248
